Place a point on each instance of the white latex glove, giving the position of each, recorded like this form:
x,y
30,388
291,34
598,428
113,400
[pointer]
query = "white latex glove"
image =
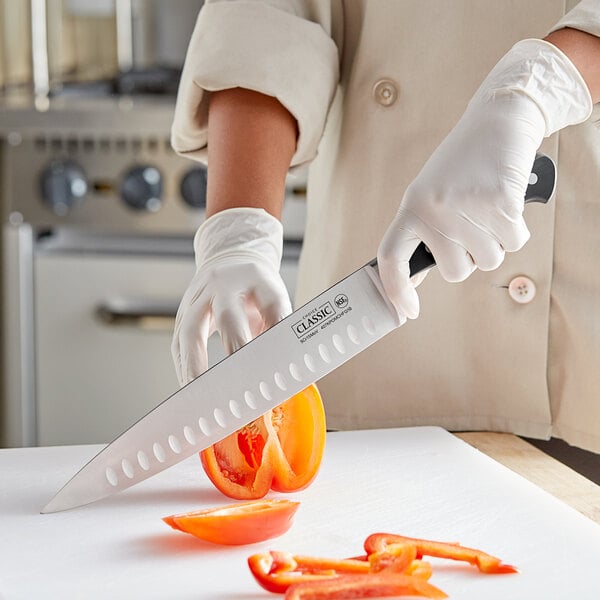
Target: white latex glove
x,y
467,202
237,289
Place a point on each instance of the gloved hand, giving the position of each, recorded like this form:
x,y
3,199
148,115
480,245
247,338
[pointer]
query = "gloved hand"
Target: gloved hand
x,y
237,289
467,202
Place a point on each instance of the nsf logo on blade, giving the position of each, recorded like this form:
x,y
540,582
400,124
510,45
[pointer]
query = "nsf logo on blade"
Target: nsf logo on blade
x,y
316,319
341,301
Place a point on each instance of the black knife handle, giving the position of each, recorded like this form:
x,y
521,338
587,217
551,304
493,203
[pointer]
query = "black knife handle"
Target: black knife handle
x,y
542,182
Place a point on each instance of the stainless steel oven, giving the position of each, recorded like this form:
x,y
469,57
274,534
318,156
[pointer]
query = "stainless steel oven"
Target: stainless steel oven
x,y
98,219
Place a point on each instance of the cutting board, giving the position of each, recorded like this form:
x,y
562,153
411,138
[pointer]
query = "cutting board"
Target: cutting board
x,y
421,482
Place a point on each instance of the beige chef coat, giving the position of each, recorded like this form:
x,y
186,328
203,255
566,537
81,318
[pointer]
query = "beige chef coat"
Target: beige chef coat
x,y
375,86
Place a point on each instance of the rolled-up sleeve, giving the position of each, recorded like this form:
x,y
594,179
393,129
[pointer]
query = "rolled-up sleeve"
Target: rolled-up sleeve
x,y
585,16
281,48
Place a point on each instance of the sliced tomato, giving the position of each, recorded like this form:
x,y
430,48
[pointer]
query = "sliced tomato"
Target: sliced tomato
x,y
281,451
238,524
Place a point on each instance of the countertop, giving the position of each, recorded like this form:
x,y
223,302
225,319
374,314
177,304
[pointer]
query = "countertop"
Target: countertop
x,y
540,469
421,482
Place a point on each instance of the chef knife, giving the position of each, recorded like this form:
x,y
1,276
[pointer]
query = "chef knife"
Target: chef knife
x,y
305,346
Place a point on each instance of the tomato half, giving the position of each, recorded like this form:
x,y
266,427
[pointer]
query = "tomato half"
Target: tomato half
x,y
282,450
238,524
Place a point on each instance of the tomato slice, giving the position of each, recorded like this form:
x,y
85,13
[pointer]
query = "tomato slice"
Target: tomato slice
x,y
281,451
238,524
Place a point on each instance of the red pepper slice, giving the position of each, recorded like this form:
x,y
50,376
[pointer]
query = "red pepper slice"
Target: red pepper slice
x,y
395,558
373,585
237,524
280,451
486,563
277,571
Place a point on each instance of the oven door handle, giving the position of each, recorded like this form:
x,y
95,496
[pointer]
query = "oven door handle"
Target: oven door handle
x,y
139,314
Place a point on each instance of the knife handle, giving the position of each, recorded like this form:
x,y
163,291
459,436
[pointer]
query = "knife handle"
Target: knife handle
x,y
542,182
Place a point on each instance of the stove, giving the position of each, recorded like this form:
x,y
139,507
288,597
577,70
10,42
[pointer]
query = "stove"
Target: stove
x,y
106,165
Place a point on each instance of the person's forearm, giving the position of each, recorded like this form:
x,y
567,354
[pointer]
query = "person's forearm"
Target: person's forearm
x,y
251,142
584,51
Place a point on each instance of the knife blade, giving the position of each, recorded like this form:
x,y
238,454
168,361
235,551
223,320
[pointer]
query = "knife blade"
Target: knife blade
x,y
299,350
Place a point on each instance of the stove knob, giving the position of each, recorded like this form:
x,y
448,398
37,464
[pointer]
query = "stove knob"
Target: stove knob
x,y
141,188
193,187
63,184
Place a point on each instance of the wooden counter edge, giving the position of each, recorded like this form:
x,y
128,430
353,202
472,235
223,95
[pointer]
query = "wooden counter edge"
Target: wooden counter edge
x,y
540,469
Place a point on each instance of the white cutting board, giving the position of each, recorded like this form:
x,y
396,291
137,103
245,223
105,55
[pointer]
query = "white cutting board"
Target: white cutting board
x,y
420,482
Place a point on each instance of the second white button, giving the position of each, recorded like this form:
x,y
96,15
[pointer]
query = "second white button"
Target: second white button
x,y
521,289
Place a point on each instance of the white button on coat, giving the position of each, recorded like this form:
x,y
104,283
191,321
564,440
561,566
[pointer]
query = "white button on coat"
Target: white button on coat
x,y
521,289
386,92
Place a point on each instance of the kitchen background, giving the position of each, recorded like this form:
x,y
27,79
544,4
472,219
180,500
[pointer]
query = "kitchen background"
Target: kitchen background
x,y
98,214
